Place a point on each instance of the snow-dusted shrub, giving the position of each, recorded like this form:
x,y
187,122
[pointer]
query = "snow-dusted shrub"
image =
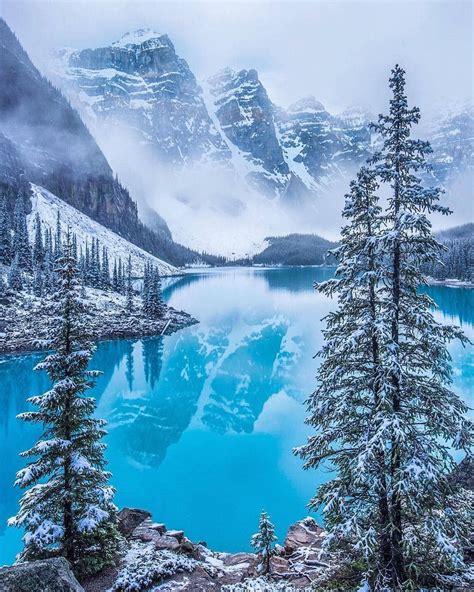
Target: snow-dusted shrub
x,y
262,585
145,566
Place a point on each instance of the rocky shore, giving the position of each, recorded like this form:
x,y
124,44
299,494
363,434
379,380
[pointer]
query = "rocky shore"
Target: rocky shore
x,y
24,320
155,558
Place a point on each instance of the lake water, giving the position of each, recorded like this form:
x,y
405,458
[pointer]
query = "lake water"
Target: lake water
x,y
202,423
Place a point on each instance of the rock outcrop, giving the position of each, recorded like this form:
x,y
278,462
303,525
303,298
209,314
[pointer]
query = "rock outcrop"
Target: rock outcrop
x,y
48,575
157,555
140,82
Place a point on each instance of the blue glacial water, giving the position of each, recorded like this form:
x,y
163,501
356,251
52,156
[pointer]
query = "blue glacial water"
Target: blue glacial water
x,y
202,423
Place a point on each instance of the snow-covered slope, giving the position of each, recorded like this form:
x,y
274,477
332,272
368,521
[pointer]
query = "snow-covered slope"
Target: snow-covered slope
x,y
47,205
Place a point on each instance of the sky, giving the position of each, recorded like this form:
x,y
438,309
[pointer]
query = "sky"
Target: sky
x,y
339,51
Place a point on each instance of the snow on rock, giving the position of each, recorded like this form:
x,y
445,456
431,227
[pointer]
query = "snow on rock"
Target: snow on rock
x,y
262,585
48,205
192,567
145,565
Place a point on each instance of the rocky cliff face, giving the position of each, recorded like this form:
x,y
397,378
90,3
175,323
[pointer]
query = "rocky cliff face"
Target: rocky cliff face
x,y
140,82
452,140
240,105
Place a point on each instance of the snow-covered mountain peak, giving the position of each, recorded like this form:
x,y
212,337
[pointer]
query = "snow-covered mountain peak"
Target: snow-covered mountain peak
x,y
308,104
139,37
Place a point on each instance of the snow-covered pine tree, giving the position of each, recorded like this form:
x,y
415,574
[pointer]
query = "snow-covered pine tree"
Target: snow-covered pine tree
x,y
68,507
38,247
5,235
122,277
263,541
74,247
399,413
49,279
129,288
15,276
157,307
21,242
426,533
38,281
346,407
146,287
115,284
105,271
57,251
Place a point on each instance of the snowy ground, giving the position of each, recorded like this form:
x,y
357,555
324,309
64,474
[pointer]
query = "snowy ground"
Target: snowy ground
x,y
47,205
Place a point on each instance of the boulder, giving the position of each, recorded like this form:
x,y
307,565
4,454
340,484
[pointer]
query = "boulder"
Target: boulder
x,y
47,575
279,565
177,534
305,533
129,519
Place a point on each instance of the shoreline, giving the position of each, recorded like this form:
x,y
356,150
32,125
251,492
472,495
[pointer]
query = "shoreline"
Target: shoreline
x,y
24,321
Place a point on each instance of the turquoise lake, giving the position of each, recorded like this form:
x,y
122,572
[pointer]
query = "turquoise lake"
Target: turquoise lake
x,y
202,423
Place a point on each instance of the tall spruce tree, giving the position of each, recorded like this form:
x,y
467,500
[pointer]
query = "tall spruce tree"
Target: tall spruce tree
x,y
347,403
383,408
5,235
426,532
263,541
21,242
15,276
129,290
68,507
38,247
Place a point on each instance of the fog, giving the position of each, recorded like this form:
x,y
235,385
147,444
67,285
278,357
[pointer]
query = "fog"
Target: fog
x,y
341,52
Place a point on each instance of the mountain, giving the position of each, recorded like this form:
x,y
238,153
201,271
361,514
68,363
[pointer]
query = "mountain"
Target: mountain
x,y
140,82
208,152
44,140
47,205
295,249
452,140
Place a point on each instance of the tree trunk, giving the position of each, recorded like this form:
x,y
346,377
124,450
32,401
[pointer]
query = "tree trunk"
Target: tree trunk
x,y
385,554
398,575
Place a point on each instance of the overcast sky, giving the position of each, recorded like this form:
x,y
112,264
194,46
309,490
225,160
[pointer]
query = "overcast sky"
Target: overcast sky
x,y
339,51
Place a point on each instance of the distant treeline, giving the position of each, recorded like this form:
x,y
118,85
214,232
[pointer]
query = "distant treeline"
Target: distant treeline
x,y
457,262
296,249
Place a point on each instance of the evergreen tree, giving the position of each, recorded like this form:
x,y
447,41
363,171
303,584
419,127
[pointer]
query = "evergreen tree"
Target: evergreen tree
x,y
15,277
38,248
21,243
383,411
129,286
121,277
57,237
422,408
115,282
105,271
155,302
5,235
68,507
38,281
49,276
349,396
263,541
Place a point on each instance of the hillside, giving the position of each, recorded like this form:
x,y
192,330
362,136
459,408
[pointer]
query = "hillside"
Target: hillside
x,y
295,249
47,206
465,231
53,148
